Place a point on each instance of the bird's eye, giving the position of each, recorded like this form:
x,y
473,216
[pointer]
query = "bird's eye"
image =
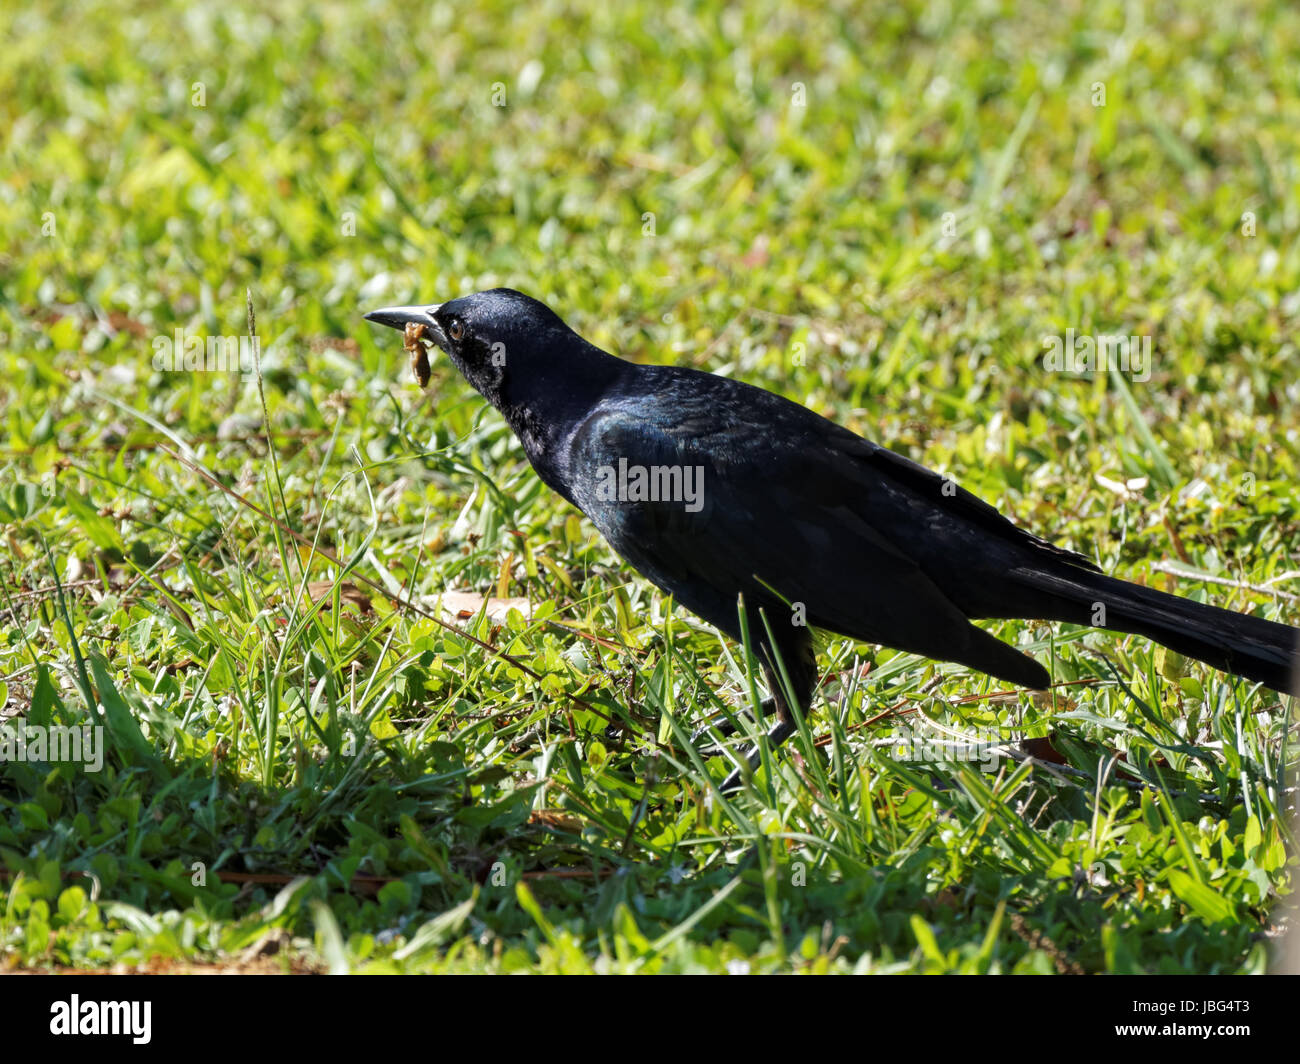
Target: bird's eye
x,y
456,331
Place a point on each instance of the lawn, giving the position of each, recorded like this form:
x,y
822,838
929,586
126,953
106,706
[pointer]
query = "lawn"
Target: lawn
x,y
372,698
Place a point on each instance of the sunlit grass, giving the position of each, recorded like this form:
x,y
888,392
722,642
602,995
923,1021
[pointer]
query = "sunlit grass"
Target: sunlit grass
x,y
879,213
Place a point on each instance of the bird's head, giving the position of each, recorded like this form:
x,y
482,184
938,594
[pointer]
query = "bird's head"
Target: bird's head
x,y
487,335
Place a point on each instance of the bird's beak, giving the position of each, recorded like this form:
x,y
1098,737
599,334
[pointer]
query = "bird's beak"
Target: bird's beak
x,y
400,317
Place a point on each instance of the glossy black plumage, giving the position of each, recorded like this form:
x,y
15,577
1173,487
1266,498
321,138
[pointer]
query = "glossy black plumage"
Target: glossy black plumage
x,y
806,520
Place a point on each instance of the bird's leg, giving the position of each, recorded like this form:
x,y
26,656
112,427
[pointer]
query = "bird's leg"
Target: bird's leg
x,y
784,726
773,704
726,727
776,735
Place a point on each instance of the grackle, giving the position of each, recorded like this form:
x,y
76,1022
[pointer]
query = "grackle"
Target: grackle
x,y
734,499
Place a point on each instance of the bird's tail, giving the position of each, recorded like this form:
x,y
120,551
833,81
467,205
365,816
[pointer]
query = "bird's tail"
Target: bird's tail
x,y
1260,650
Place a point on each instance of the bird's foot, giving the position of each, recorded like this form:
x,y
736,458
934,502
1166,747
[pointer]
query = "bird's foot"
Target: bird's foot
x,y
779,733
724,727
727,727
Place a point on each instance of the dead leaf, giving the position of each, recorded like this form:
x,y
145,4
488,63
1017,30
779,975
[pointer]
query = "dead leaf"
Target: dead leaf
x,y
1043,750
466,604
349,593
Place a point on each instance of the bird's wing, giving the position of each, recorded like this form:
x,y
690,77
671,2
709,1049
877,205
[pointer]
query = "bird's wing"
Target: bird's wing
x,y
943,493
785,518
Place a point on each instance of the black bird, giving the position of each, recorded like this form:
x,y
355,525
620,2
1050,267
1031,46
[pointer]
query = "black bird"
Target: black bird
x,y
719,492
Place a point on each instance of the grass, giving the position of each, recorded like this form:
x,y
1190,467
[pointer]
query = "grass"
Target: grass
x,y
313,763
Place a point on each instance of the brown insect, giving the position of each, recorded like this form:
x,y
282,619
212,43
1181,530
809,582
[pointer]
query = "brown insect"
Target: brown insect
x,y
416,345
